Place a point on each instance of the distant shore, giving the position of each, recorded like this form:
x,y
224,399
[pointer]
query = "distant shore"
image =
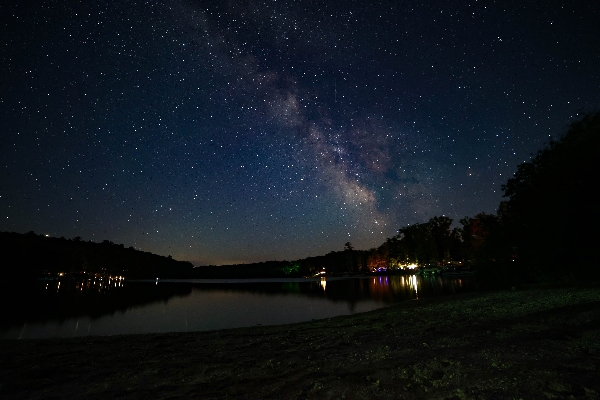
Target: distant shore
x,y
534,343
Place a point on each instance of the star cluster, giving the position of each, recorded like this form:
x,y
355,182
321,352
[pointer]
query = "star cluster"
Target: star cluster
x,y
226,132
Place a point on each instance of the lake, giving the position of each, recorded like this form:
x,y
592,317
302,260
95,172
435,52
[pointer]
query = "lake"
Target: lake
x,y
70,308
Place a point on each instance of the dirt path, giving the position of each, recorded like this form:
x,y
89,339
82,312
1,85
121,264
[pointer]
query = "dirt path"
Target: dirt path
x,y
519,344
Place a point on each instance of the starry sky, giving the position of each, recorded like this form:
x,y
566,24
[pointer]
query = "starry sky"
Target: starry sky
x,y
243,131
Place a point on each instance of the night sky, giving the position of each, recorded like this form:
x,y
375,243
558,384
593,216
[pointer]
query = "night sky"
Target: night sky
x,y
241,131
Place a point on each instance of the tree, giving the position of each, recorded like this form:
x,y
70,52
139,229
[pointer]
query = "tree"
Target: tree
x,y
552,212
377,259
418,244
478,234
440,230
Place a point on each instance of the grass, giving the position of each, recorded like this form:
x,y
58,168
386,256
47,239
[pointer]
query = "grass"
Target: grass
x,y
534,343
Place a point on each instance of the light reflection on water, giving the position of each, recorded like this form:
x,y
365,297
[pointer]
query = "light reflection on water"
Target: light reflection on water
x,y
70,308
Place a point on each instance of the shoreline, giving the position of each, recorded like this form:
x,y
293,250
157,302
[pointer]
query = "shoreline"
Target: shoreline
x,y
538,342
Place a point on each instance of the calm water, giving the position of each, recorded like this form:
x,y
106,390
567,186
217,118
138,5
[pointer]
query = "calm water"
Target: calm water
x,y
69,308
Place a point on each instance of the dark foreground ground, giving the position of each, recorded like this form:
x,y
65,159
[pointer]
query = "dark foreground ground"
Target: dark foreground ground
x,y
536,343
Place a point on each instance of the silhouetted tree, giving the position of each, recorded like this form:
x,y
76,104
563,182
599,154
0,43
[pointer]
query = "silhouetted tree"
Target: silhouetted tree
x,y
36,255
552,211
418,244
480,236
440,230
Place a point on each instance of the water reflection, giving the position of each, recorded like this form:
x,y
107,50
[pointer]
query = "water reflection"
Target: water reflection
x,y
324,283
395,288
67,298
103,306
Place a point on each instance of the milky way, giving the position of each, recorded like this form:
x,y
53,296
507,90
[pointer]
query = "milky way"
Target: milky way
x,y
241,131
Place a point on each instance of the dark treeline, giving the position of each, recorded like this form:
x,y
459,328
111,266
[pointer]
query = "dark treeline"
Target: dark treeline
x,y
552,214
335,262
546,230
268,269
37,255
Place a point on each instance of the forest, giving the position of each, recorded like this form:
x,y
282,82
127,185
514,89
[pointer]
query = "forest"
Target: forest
x,y
40,256
546,230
